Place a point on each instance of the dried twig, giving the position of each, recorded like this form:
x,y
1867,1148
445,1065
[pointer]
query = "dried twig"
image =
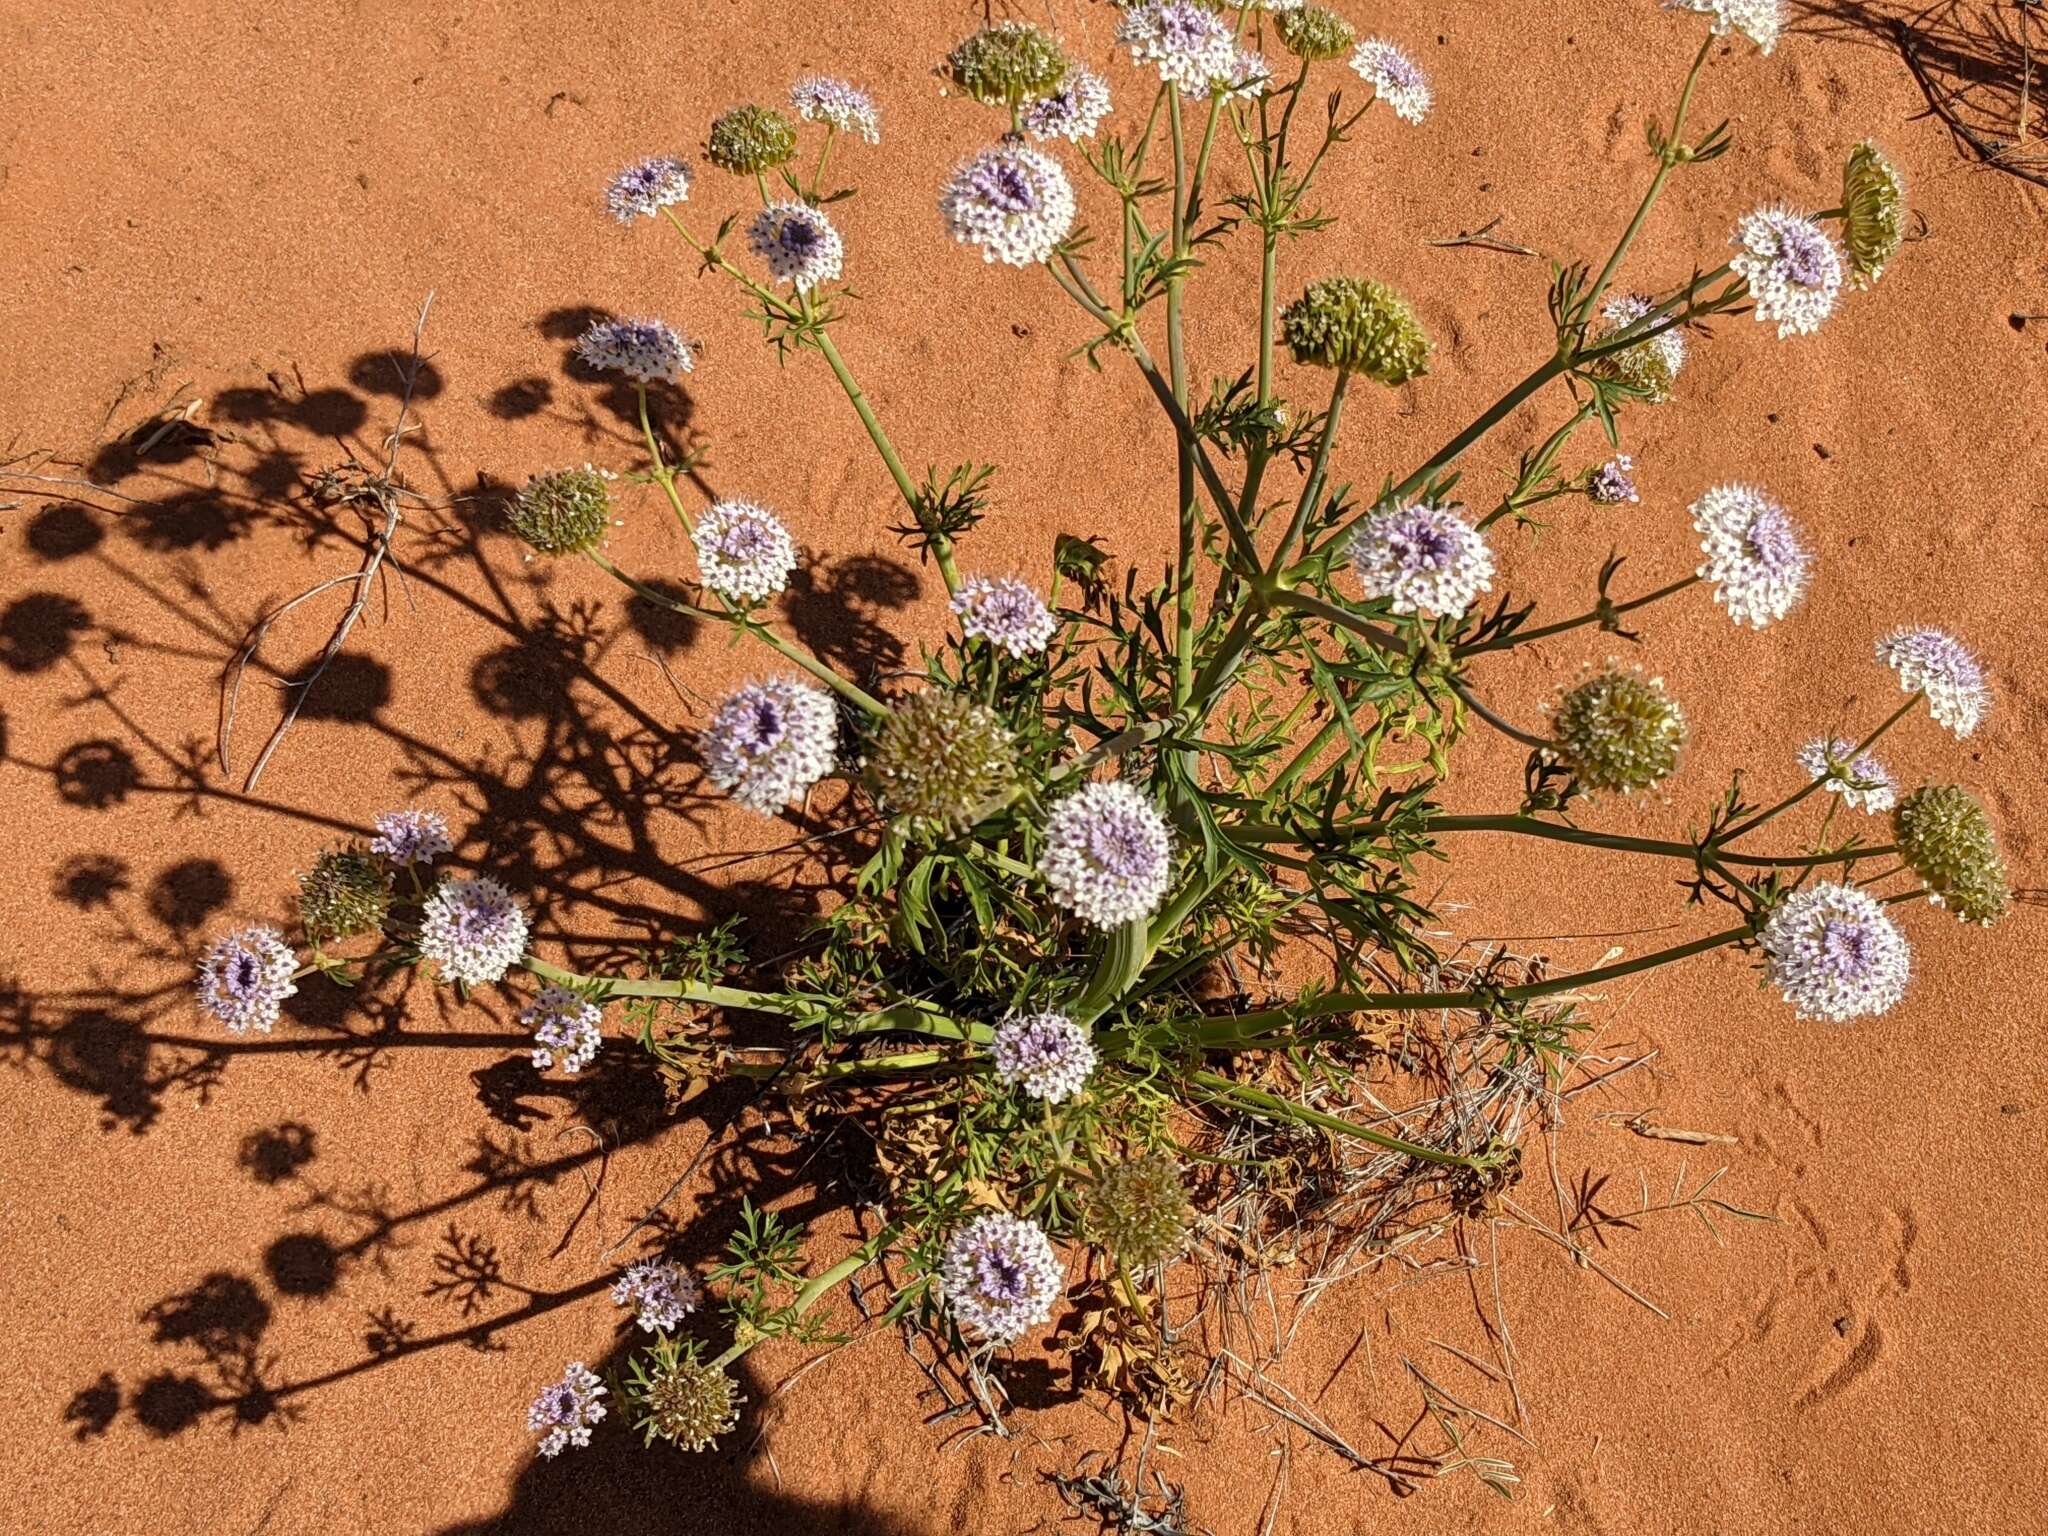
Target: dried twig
x,y
1485,240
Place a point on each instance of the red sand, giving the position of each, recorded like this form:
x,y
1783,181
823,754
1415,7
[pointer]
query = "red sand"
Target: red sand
x,y
245,204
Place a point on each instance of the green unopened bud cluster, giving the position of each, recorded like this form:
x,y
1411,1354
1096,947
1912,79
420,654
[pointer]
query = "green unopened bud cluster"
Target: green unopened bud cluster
x,y
1007,64
1873,213
1139,1211
751,139
1945,834
681,1399
1619,731
563,512
940,757
346,892
1359,326
1313,34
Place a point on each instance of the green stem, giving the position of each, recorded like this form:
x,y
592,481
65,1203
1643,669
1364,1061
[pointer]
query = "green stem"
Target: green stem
x,y
1312,491
1176,361
810,1295
1557,832
663,474
1268,277
1307,602
681,991
1273,1104
1789,801
1597,616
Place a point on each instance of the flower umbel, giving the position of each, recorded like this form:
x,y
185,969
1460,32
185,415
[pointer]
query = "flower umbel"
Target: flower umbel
x,y
1139,1210
566,1029
1191,46
1935,663
744,554
562,512
1073,111
1357,325
1862,781
751,139
1758,20
476,929
563,1415
346,892
646,187
681,1399
770,742
1000,1277
1313,34
405,838
1006,613
651,351
1007,63
822,99
244,978
799,244
1793,269
1649,366
1945,834
660,1291
1048,1055
1755,559
1874,213
942,756
1614,481
1108,854
1013,201
1396,79
1619,731
1423,558
1833,953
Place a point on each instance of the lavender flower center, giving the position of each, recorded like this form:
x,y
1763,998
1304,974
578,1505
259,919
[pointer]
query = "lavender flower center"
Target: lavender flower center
x,y
1802,255
762,727
1118,846
244,974
1425,545
1771,541
1846,948
744,542
1005,188
998,1276
799,237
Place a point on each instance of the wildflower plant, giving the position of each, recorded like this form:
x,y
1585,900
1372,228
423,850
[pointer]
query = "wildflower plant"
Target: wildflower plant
x,y
1097,814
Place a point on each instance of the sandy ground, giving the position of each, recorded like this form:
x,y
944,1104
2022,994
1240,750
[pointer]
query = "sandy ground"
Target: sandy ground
x,y
295,1286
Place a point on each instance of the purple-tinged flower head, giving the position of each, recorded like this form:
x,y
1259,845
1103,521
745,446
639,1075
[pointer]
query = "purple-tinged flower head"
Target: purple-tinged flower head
x,y
1422,558
770,742
1190,44
1758,20
1013,201
563,1415
1651,365
1249,77
1048,1055
648,350
1864,783
646,187
1614,481
744,554
1833,953
844,106
1395,78
661,1293
475,929
1073,111
1793,269
1935,663
565,1027
1755,558
245,977
405,838
799,244
1006,613
1108,854
1000,1277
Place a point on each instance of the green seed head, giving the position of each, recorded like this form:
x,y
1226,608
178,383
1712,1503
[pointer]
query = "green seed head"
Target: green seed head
x,y
1008,63
345,892
1945,835
940,757
1357,325
1874,221
1619,731
1138,1209
1313,34
750,139
685,1401
563,512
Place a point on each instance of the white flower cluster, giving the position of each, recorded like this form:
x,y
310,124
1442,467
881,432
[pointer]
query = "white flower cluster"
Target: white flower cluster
x,y
1048,1055
1000,1277
1013,201
744,553
1755,559
1108,854
476,930
770,742
1834,953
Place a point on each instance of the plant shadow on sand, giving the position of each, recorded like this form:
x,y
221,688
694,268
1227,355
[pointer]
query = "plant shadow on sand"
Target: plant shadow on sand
x,y
570,804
